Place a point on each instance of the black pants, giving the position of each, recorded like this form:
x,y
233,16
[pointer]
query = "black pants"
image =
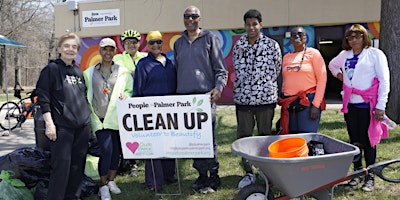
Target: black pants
x,y
357,120
205,165
68,158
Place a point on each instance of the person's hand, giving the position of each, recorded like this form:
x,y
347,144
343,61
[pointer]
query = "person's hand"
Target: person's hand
x,y
50,127
215,94
378,114
51,132
339,76
314,113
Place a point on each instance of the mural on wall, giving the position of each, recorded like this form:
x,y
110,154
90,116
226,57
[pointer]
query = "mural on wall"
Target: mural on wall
x,y
89,52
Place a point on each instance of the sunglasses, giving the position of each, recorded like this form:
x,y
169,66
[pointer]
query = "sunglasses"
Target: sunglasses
x,y
351,37
152,42
293,69
193,16
295,34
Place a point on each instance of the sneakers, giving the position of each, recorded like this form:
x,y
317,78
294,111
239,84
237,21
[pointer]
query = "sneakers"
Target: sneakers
x,y
214,182
153,188
200,183
354,181
247,180
113,187
104,193
369,183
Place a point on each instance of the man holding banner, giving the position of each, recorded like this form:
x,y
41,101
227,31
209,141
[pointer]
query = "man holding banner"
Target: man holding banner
x,y
201,69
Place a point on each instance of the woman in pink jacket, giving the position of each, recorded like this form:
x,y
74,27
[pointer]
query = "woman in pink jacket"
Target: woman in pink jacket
x,y
365,74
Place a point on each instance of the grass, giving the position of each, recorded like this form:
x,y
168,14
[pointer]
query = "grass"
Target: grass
x,y
332,124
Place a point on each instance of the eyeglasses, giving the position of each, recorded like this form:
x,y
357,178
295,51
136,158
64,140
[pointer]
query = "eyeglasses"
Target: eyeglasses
x,y
351,37
152,42
193,16
293,69
294,34
129,42
297,67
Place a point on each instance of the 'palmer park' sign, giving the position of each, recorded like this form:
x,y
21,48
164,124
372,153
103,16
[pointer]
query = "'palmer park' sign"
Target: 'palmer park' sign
x,y
166,127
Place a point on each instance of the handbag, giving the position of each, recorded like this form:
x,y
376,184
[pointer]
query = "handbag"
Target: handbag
x,y
295,106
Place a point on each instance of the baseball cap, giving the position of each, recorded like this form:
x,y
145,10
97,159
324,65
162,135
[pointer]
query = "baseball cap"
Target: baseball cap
x,y
107,42
153,35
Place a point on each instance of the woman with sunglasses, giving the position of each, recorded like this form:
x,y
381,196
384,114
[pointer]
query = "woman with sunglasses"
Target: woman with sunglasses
x,y
303,86
365,75
155,75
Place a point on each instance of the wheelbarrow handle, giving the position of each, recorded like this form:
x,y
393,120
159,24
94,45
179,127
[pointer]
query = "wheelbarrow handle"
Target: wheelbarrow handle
x,y
379,167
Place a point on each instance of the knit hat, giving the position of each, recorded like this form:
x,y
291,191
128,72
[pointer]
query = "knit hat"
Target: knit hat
x,y
153,35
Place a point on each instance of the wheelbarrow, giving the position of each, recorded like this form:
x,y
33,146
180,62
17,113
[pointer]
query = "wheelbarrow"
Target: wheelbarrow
x,y
314,176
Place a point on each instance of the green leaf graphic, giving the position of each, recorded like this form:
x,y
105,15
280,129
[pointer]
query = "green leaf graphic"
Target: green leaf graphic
x,y
200,103
199,110
194,100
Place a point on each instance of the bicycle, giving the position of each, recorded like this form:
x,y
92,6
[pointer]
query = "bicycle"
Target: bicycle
x,y
14,114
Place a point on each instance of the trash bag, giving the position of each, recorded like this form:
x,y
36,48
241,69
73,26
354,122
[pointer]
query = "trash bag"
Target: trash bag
x,y
88,187
91,167
30,165
13,189
41,190
315,148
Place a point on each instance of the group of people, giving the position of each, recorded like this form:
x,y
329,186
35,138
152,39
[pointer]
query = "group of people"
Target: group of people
x,y
362,68
76,104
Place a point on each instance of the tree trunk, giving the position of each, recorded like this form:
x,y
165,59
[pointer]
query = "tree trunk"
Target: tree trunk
x,y
389,43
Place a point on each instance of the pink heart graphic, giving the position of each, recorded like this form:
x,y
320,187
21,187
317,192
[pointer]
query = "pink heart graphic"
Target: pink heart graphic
x,y
133,146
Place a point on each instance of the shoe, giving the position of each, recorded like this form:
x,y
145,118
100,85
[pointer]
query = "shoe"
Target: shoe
x,y
134,170
207,190
200,183
170,181
354,181
153,189
113,187
247,180
214,182
104,193
369,183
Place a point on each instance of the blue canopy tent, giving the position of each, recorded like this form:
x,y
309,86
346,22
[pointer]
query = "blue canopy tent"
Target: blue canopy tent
x,y
3,43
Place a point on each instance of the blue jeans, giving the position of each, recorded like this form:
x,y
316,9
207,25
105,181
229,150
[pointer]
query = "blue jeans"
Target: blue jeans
x,y
300,122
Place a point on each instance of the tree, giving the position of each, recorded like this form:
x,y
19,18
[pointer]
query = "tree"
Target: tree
x,y
30,22
390,30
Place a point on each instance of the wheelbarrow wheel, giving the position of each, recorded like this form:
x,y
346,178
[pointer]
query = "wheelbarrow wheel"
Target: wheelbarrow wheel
x,y
254,192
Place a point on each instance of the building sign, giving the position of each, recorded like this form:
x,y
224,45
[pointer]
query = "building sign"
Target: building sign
x,y
166,127
97,18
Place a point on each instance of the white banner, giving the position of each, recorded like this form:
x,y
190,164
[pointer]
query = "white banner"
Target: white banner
x,y
166,127
97,18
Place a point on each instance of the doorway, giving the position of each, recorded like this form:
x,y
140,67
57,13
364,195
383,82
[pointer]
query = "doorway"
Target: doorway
x,y
328,40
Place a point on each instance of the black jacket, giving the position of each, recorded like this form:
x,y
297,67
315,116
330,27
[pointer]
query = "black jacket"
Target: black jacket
x,y
61,90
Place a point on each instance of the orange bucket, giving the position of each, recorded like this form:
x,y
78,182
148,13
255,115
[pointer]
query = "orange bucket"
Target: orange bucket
x,y
288,148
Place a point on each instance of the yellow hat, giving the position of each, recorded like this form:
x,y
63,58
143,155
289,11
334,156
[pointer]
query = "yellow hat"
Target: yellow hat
x,y
153,35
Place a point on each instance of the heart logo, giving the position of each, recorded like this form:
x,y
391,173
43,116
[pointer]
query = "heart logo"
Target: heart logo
x,y
133,146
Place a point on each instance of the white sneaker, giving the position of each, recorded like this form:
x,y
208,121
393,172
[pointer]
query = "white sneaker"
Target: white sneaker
x,y
113,187
247,180
104,193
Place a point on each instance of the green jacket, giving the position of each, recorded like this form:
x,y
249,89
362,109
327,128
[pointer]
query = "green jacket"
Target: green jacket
x,y
123,85
124,59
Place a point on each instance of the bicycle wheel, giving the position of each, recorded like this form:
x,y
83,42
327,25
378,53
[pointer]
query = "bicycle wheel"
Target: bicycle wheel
x,y
9,113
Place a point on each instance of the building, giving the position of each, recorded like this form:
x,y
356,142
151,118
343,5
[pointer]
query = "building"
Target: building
x,y
324,20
